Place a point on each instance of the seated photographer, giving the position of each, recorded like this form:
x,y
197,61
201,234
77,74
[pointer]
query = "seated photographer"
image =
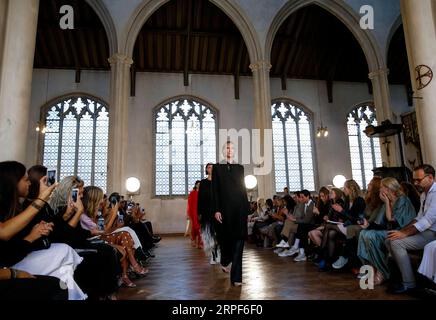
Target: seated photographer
x,y
31,252
98,274
122,240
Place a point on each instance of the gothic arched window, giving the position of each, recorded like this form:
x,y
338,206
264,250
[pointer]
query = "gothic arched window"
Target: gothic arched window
x,y
364,151
76,139
293,151
185,141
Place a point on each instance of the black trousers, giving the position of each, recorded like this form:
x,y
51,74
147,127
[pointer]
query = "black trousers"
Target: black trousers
x,y
144,234
303,233
98,273
231,252
40,288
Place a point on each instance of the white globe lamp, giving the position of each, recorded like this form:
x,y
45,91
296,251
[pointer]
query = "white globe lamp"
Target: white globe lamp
x,y
250,182
339,181
133,185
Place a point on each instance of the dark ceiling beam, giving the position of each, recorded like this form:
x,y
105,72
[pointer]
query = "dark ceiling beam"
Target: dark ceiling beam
x,y
187,45
369,83
92,48
329,84
54,48
65,50
409,92
238,68
294,50
73,49
78,75
204,55
132,80
45,51
83,49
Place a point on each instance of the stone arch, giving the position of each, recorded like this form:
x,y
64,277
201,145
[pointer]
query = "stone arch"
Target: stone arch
x,y
345,14
106,19
232,10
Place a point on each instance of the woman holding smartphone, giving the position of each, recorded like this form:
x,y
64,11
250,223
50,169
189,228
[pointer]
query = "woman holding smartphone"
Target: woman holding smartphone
x,y
92,201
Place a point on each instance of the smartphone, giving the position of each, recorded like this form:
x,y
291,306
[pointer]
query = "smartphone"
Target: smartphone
x,y
51,177
120,218
75,194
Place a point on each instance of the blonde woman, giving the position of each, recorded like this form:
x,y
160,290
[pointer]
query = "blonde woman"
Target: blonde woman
x,y
397,211
92,200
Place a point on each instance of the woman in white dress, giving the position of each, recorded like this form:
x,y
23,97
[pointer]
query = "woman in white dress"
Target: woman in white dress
x,y
428,263
21,251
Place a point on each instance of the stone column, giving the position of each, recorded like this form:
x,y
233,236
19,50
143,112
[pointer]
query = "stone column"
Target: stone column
x,y
262,121
382,102
16,68
118,121
420,34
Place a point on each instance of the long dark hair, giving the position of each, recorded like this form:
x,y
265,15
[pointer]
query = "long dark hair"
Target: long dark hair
x,y
11,173
35,174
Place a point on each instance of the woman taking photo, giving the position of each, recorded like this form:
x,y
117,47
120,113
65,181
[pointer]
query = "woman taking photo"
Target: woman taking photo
x,y
28,253
92,201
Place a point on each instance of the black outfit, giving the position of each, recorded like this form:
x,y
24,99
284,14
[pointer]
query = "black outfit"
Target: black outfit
x,y
350,216
42,288
206,217
229,196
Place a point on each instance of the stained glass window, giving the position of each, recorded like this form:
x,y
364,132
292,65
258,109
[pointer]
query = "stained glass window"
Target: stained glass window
x,y
293,147
185,141
76,139
364,151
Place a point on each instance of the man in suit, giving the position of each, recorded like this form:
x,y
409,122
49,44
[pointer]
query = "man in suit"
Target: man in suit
x,y
231,208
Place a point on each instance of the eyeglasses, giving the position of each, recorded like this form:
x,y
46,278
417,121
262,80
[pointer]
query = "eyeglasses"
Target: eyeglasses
x,y
419,180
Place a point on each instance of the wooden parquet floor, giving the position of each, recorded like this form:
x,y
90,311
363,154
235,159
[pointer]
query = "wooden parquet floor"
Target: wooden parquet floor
x,y
181,272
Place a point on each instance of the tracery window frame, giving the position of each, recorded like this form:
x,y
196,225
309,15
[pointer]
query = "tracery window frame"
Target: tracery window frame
x,y
358,114
169,102
301,109
100,104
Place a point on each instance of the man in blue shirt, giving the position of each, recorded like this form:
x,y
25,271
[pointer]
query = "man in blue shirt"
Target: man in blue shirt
x,y
419,232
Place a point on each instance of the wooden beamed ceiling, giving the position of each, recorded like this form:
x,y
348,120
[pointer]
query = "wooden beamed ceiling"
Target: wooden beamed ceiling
x,y
191,36
195,36
84,47
398,64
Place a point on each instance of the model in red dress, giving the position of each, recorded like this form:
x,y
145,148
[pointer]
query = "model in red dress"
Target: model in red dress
x,y
193,216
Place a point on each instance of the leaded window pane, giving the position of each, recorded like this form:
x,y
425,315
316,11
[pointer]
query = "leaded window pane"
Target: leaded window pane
x,y
76,139
292,146
365,153
185,140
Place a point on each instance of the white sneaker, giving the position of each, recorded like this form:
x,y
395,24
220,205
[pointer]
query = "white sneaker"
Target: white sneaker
x,y
283,244
278,250
294,250
300,257
286,253
340,263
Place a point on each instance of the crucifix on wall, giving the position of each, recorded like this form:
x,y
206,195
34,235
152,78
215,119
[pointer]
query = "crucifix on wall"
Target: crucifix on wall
x,y
386,144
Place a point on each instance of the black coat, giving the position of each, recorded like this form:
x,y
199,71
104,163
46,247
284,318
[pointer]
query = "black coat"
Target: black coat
x,y
205,214
229,196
